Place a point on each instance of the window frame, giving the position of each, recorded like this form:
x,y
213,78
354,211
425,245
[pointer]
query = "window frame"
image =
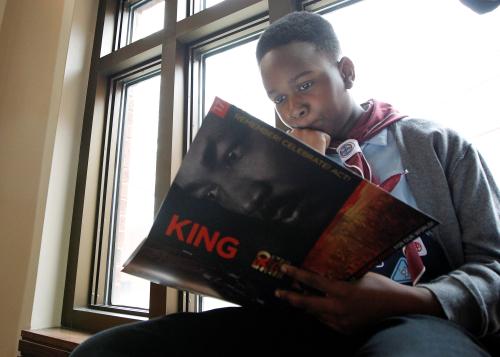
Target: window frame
x,y
171,44
324,6
106,225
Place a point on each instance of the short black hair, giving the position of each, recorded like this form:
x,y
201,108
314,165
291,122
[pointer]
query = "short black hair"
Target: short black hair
x,y
299,26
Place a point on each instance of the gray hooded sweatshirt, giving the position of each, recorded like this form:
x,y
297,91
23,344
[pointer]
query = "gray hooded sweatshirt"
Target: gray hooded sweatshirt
x,y
450,181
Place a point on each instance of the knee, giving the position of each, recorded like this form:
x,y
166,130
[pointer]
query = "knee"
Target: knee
x,y
86,348
124,340
420,335
97,345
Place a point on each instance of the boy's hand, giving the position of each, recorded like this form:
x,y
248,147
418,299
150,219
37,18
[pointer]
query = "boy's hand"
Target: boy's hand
x,y
350,306
318,140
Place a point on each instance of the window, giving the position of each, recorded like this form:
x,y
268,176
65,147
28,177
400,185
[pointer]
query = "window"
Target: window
x,y
127,195
199,5
116,189
128,174
138,19
154,70
134,201
432,60
146,18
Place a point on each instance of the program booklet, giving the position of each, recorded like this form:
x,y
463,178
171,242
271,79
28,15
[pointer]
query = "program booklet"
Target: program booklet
x,y
248,197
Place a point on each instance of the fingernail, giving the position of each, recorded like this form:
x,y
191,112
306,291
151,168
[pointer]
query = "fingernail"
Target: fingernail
x,y
284,268
277,293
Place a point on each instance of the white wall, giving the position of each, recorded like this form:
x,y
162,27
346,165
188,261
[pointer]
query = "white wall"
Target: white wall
x,y
42,94
69,109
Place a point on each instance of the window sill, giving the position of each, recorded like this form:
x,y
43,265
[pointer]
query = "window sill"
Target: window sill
x,y
52,342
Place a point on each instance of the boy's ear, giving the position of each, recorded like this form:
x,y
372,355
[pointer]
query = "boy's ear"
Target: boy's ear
x,y
346,68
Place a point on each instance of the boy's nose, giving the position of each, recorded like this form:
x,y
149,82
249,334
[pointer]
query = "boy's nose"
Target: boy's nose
x,y
297,110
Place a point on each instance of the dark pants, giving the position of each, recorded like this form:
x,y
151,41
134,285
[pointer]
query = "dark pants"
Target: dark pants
x,y
241,331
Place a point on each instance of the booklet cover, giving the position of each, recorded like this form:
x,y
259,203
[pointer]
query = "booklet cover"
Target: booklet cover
x,y
248,198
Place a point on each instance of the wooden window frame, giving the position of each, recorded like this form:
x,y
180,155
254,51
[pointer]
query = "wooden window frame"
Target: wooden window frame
x,y
171,44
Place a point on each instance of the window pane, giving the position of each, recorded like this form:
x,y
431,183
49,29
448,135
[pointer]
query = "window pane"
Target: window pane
x,y
436,60
210,303
199,5
147,18
135,201
233,75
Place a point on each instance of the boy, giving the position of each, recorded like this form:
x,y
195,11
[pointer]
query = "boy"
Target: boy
x,y
307,79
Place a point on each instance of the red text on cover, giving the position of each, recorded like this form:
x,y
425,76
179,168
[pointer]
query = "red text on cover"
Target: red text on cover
x,y
194,234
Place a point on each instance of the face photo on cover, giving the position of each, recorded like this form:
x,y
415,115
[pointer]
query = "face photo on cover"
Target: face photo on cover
x,y
247,173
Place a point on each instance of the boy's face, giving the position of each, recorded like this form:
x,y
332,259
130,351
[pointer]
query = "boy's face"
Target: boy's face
x,y
307,88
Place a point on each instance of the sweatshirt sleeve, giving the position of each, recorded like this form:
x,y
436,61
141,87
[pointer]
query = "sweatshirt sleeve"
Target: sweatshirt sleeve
x,y
470,294
451,182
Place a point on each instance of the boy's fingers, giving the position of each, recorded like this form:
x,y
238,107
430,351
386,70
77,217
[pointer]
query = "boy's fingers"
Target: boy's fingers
x,y
316,305
312,280
318,140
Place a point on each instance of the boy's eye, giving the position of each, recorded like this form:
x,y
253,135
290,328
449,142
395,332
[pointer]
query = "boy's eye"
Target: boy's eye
x,y
305,86
279,99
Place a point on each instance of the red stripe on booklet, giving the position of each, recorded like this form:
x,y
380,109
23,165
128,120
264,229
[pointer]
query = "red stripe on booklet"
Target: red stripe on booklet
x,y
219,107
